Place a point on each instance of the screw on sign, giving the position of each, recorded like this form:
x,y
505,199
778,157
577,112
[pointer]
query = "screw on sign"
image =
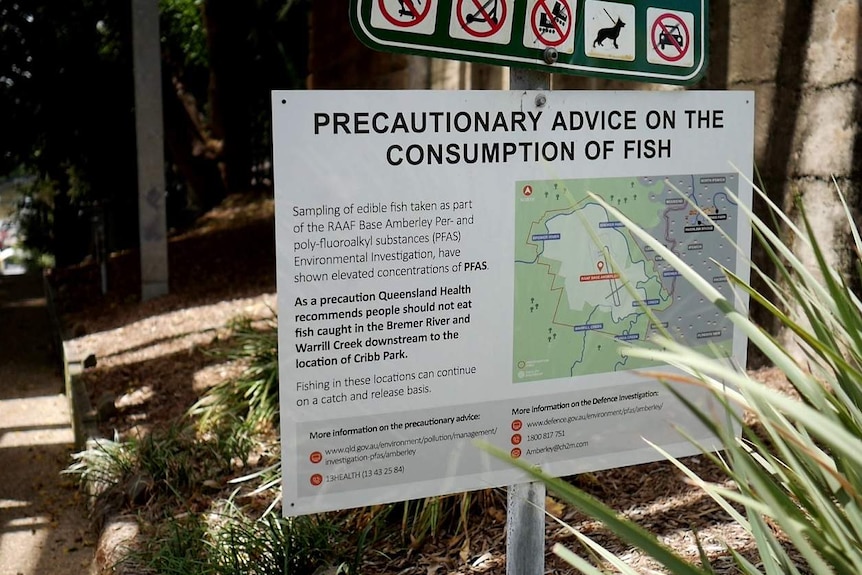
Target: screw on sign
x,y
551,26
670,37
404,13
482,18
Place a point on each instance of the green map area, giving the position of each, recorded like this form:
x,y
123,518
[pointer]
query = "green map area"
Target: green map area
x,y
583,283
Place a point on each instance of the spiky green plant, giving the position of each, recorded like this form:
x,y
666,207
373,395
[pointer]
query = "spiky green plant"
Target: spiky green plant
x,y
274,545
797,466
102,463
227,541
176,546
251,398
169,465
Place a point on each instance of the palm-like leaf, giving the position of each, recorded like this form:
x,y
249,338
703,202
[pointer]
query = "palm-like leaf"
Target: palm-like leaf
x,y
797,473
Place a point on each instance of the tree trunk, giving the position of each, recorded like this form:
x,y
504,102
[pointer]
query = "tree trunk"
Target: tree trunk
x,y
228,25
192,152
337,59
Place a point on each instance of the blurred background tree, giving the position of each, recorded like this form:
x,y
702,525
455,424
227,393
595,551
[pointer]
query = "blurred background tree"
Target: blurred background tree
x,y
66,96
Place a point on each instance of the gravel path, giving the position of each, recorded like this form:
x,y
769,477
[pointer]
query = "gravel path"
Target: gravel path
x,y
43,524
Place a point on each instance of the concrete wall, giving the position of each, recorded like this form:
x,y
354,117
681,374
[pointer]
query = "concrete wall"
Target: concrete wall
x,y
804,62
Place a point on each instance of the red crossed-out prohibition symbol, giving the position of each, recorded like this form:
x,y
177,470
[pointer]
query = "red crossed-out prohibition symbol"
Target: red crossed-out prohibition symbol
x,y
408,13
664,38
481,12
542,17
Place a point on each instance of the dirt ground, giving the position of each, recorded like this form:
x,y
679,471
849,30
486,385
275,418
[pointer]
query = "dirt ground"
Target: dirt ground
x,y
154,360
43,524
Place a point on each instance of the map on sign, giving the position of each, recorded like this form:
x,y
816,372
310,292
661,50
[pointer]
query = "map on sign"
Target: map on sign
x,y
585,286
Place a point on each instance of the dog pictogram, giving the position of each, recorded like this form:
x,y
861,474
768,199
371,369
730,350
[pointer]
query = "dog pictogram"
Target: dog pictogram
x,y
612,33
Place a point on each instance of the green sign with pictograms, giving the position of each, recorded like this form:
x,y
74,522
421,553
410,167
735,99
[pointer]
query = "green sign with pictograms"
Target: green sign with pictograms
x,y
659,41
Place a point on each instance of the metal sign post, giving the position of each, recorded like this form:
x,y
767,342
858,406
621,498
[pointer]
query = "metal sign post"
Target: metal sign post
x,y
525,502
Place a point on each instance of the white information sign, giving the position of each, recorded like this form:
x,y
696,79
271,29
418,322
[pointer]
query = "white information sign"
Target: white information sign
x,y
445,275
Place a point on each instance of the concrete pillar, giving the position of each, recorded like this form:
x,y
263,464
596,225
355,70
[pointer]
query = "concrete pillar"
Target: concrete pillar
x,y
487,77
152,215
448,74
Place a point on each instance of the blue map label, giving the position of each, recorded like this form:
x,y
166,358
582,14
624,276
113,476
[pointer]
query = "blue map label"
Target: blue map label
x,y
545,237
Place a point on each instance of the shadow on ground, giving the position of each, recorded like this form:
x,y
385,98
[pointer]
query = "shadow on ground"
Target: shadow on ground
x,y
43,525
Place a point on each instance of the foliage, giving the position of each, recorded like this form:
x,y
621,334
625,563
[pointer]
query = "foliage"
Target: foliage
x,y
102,464
797,467
169,465
67,99
426,518
183,31
229,542
252,398
165,474
275,545
65,94
175,547
246,407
